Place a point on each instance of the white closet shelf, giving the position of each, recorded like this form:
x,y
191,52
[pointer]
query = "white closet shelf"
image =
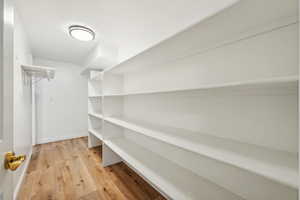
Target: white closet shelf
x,y
276,165
96,115
95,96
175,181
197,39
96,77
96,133
286,81
88,70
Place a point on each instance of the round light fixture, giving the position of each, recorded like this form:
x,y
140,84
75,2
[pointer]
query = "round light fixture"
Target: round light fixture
x,y
81,33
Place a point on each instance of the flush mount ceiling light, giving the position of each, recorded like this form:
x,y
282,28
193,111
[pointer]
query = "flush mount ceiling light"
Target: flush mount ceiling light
x,y
81,33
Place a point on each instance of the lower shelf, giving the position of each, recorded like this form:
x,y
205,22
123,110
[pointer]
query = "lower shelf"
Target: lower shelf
x,y
96,133
173,180
96,115
273,164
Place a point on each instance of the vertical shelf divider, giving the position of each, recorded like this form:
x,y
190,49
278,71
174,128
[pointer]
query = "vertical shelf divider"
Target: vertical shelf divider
x,y
95,124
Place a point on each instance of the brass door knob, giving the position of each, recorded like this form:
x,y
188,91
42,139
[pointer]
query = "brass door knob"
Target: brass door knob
x,y
12,162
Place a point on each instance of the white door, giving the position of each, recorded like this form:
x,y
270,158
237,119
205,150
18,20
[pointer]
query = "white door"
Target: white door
x,y
6,95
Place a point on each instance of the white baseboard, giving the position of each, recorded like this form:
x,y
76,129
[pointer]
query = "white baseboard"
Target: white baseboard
x,y
22,176
59,138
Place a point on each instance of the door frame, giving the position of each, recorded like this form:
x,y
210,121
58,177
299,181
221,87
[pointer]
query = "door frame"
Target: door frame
x,y
6,93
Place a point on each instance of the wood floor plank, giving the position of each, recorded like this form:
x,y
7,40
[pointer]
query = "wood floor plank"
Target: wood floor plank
x,y
42,161
36,186
67,181
92,196
150,191
48,184
122,186
25,191
33,164
44,188
69,170
105,187
58,156
132,185
63,150
82,180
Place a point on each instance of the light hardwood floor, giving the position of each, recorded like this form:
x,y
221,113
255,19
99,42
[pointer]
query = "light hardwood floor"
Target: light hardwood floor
x,y
68,170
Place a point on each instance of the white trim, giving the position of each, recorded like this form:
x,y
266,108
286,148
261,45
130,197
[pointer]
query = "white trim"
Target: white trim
x,y
22,176
33,116
59,138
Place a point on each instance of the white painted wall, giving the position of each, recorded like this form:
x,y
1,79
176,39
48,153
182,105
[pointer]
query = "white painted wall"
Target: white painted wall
x,y
22,100
61,103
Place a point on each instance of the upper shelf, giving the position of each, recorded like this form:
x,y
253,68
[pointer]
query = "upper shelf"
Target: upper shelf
x,y
287,81
276,165
87,71
224,28
95,96
39,71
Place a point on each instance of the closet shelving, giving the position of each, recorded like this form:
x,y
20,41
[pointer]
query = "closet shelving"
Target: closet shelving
x,y
174,180
95,130
214,119
98,116
91,72
95,116
95,96
276,165
96,133
285,81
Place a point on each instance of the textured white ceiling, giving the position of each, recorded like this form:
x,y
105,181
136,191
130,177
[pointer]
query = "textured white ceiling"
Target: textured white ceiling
x,y
130,25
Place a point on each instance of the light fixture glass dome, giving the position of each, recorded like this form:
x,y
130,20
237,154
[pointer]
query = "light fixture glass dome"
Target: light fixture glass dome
x,y
81,33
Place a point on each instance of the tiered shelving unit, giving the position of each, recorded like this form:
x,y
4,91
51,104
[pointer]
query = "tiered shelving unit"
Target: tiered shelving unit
x,y
95,116
212,112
